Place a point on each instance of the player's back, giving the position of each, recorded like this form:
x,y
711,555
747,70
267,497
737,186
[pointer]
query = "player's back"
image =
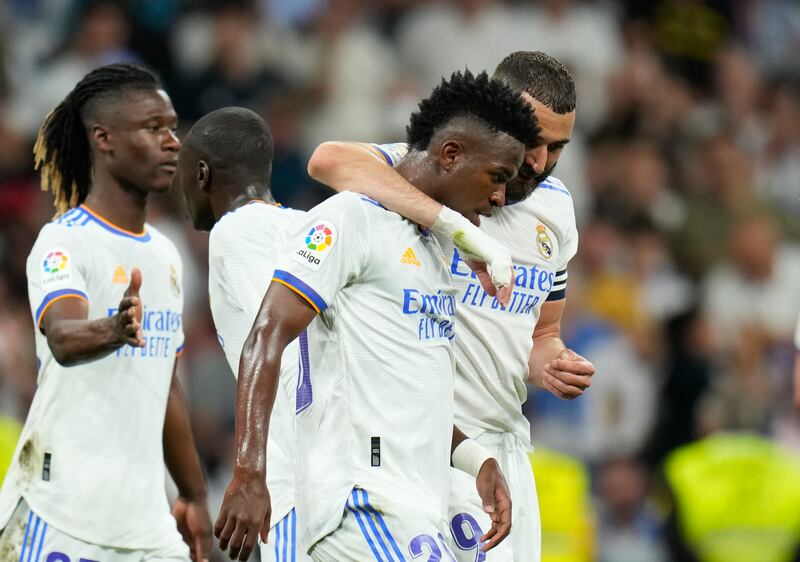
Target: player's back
x,y
378,363
244,248
90,457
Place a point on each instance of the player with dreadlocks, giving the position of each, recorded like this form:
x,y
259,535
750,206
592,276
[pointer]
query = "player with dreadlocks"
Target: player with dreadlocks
x,y
375,393
87,481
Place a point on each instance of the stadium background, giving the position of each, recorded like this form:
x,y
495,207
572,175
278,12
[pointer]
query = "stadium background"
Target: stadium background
x,y
684,168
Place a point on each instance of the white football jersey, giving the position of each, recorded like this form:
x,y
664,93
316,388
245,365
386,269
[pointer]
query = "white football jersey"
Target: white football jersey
x,y
90,459
243,249
493,344
377,373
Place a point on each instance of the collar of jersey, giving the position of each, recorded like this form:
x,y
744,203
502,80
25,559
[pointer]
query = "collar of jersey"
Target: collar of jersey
x,y
142,236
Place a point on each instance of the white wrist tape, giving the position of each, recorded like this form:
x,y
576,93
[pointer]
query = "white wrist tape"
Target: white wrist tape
x,y
448,222
475,245
469,456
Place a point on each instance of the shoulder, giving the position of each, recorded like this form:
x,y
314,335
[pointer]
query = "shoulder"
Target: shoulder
x,y
553,184
351,203
62,230
160,242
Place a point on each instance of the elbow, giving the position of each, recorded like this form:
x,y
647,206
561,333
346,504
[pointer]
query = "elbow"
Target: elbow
x,y
323,162
59,351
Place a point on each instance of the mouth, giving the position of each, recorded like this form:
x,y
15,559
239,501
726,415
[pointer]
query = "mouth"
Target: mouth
x,y
170,167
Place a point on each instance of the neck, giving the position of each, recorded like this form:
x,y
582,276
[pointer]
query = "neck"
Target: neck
x,y
417,169
235,197
124,207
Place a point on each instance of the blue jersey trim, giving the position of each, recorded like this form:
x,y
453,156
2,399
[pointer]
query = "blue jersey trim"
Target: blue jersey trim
x,y
557,295
301,288
33,538
50,298
553,187
384,154
41,542
372,201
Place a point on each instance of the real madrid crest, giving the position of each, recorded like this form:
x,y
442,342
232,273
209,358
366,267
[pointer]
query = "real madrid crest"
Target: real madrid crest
x,y
543,242
173,281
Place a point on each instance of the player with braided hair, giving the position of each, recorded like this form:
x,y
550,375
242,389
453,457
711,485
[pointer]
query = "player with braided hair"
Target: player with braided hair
x,y
105,291
375,390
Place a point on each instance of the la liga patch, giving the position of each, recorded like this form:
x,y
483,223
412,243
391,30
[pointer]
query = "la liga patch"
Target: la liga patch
x,y
56,267
317,245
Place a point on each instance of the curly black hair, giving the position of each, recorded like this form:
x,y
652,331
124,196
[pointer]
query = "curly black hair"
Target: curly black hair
x,y
489,101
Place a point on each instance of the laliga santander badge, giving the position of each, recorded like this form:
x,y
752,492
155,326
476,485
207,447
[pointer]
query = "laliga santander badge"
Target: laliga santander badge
x,y
56,268
543,242
317,245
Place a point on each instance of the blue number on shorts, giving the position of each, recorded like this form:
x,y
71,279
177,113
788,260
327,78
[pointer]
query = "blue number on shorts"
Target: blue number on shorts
x,y
305,395
462,523
415,548
57,557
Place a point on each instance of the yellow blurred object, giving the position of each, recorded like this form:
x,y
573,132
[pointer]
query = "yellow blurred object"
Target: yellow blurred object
x,y
568,527
737,498
10,430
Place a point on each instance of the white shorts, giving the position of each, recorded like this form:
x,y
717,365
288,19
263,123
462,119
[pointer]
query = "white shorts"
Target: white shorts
x,y
468,521
27,537
372,529
282,545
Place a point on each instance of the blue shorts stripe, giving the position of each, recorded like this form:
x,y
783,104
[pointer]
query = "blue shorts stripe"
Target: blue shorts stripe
x,y
285,538
41,542
25,538
363,508
363,527
277,540
33,539
294,535
383,525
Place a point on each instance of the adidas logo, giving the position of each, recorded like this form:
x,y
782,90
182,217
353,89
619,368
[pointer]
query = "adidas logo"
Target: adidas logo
x,y
410,258
119,275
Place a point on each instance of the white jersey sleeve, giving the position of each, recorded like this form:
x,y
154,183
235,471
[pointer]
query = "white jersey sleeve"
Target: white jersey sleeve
x,y
57,269
329,249
390,153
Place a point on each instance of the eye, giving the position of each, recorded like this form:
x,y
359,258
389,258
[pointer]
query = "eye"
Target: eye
x,y
499,178
551,148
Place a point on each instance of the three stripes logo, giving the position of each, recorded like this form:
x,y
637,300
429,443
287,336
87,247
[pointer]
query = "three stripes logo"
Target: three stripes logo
x,y
410,258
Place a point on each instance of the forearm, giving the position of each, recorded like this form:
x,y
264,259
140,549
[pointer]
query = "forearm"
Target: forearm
x,y
180,453
545,349
256,388
351,167
79,341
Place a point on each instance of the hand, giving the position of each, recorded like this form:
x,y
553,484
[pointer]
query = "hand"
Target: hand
x,y
128,319
568,375
481,270
244,513
194,525
496,499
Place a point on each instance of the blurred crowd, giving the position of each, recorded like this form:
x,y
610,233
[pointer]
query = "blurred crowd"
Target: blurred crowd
x,y
684,169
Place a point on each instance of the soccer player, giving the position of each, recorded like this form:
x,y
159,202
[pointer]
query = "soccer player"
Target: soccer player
x,y
375,431
495,355
224,172
87,480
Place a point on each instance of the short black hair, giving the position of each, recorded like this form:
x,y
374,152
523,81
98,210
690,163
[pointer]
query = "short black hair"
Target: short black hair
x,y
234,139
479,97
62,153
540,75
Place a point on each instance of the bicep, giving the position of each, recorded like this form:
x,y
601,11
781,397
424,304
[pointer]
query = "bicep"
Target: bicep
x,y
283,314
549,324
70,307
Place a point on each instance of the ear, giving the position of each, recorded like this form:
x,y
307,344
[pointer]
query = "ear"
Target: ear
x,y
203,176
102,139
450,154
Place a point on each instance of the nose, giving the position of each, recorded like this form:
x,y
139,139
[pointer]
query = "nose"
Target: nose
x,y
498,198
536,158
171,141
